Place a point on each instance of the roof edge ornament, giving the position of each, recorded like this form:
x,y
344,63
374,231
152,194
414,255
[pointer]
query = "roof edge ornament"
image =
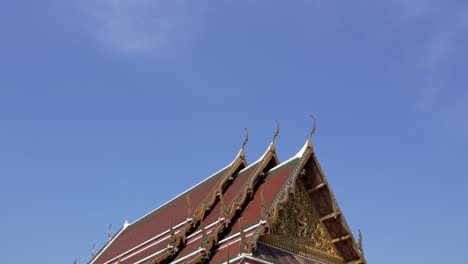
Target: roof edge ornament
x,y
272,147
309,139
246,140
360,247
245,245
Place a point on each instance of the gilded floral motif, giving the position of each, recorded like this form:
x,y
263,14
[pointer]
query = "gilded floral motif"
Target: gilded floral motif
x,y
298,227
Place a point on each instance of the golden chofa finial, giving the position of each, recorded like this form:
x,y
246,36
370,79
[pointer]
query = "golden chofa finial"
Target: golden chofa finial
x,y
275,136
360,247
246,140
309,140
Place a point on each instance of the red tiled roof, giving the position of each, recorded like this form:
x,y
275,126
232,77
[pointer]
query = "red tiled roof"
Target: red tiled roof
x,y
194,242
253,195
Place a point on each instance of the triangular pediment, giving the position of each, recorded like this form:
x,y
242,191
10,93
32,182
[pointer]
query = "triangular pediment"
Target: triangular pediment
x,y
298,230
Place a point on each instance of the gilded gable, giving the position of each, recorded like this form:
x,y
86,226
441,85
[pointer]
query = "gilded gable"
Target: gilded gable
x,y
298,229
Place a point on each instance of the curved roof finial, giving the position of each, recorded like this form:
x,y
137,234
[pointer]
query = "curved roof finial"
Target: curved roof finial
x,y
275,136
242,153
360,247
277,131
246,140
309,139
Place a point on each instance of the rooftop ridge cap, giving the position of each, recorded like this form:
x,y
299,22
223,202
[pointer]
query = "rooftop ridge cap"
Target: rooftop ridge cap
x,y
303,149
297,156
188,190
282,164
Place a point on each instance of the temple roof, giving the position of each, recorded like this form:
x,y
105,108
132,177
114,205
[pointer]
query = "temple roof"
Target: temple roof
x,y
232,212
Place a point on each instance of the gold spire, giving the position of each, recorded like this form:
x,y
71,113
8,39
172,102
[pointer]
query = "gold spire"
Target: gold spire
x,y
309,139
242,154
275,136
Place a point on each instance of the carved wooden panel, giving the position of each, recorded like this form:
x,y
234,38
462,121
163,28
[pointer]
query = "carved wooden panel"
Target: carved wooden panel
x,y
298,229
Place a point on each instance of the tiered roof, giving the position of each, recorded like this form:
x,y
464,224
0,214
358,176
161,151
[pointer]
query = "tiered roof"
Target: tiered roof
x,y
267,212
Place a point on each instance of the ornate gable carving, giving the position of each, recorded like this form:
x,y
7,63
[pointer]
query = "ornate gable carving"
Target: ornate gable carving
x,y
298,229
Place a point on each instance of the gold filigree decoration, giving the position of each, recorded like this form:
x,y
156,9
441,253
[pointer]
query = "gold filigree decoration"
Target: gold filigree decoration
x,y
298,228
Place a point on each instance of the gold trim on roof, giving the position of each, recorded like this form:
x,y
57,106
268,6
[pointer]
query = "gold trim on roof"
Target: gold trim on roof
x,y
231,209
309,139
289,187
272,147
245,245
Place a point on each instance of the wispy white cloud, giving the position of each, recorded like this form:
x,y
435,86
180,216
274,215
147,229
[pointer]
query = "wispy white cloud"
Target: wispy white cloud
x,y
447,27
135,26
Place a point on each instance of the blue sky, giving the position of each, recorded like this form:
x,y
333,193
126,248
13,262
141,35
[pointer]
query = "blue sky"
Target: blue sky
x,y
110,108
